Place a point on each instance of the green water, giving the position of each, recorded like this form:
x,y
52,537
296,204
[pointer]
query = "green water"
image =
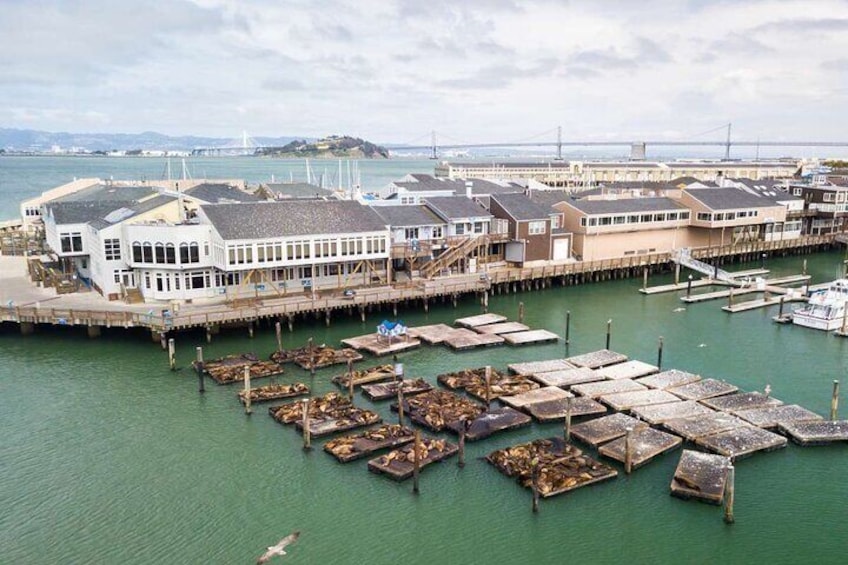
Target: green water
x,y
108,457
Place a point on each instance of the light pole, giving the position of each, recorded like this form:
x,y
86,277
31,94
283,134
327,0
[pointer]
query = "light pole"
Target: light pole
x,y
763,261
689,287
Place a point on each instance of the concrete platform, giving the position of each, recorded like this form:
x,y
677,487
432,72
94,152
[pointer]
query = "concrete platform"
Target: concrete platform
x,y
773,416
480,320
607,428
816,433
701,390
433,334
598,389
627,400
733,403
566,378
669,379
532,367
660,413
466,339
702,476
694,427
502,328
627,370
545,394
646,444
742,441
556,409
597,359
530,337
378,345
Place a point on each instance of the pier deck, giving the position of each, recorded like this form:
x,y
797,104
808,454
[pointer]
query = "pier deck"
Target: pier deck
x,y
678,286
439,408
703,389
733,403
491,422
356,446
501,328
646,444
462,338
606,428
532,367
550,410
433,334
600,388
702,476
530,337
762,303
627,370
816,433
661,413
365,376
378,345
546,394
480,320
597,359
567,377
273,392
343,420
398,464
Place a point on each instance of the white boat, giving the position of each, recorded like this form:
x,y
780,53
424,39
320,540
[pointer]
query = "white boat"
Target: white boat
x,y
825,309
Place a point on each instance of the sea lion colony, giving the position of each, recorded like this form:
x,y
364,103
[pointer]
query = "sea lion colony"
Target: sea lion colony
x,y
406,454
327,406
438,408
386,435
473,381
315,356
274,392
369,375
230,373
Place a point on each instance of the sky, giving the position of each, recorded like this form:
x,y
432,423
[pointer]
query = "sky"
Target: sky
x,y
395,70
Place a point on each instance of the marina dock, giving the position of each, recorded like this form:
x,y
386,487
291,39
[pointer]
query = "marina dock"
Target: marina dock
x,y
817,432
567,377
491,422
386,391
645,445
273,392
597,359
379,345
558,409
398,464
701,476
356,446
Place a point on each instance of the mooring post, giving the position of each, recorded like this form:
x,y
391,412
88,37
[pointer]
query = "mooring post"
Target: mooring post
x,y
729,494
715,269
730,298
628,449
172,358
311,348
208,334
463,428
416,461
834,400
567,327
247,409
199,368
609,332
485,302
488,374
534,478
689,287
307,440
780,310
163,341
250,330
396,369
644,278
677,273
520,312
350,379
400,401
278,330
844,320
659,353
567,432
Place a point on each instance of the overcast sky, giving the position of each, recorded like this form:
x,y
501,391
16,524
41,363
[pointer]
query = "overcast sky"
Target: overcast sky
x,y
391,71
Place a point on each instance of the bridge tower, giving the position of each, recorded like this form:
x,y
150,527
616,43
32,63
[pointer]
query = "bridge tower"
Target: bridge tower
x,y
727,145
434,154
559,144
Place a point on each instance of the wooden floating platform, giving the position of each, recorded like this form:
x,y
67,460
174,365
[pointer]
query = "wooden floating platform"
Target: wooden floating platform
x,y
742,441
660,413
702,476
597,359
352,447
677,287
562,468
695,427
467,339
546,394
330,404
433,334
627,400
556,409
473,381
385,391
733,403
669,379
316,357
607,428
774,416
273,392
646,444
701,390
600,388
627,370
502,328
719,294
365,376
480,320
379,345
340,421
533,367
491,422
762,303
231,373
237,360
816,433
567,377
439,408
398,464
466,377
530,337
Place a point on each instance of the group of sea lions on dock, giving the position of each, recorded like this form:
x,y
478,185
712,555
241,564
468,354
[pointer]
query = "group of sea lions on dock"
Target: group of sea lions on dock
x,y
273,392
315,356
331,408
438,408
230,369
350,447
364,376
473,381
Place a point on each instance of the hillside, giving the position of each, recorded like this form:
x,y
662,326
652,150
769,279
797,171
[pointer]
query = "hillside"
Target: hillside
x,y
329,147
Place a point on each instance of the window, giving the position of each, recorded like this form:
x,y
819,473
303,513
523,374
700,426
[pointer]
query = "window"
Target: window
x,y
583,221
411,233
619,220
704,216
170,254
604,221
828,197
159,254
460,229
684,215
437,232
798,191
479,227
536,228
136,252
112,249
659,217
184,253
71,242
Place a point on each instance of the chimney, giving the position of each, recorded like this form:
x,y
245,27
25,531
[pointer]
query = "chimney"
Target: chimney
x,y
468,188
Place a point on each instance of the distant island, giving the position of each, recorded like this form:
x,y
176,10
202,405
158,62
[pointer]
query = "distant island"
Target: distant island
x,y
328,148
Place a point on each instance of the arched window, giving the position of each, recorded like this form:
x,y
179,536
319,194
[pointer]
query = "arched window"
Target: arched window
x,y
194,252
136,252
170,254
184,253
160,253
147,252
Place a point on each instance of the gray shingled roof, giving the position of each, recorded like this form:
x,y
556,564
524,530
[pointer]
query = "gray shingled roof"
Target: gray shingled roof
x,y
456,207
219,192
95,212
104,192
548,198
626,205
509,165
298,190
727,198
408,216
431,186
264,220
521,208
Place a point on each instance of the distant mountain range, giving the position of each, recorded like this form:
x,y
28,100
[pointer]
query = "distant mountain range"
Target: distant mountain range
x,y
34,140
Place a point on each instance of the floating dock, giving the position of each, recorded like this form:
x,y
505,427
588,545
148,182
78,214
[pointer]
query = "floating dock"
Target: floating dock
x,y
480,320
702,476
530,337
627,370
621,401
557,409
330,404
678,286
703,389
349,418
816,433
364,376
501,328
597,359
607,428
669,379
742,441
660,413
231,373
533,367
439,408
773,416
379,345
398,464
315,357
386,391
467,377
273,392
645,444
433,334
696,427
733,403
462,338
546,394
600,388
567,377
491,422
352,447
473,381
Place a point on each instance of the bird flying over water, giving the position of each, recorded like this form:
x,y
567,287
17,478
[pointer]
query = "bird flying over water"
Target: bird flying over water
x,y
279,549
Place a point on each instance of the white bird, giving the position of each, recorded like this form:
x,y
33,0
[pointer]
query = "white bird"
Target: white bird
x,y
702,345
768,390
681,309
279,549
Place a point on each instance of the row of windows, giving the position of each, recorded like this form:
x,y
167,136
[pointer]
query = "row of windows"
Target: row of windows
x,y
476,227
112,249
536,228
163,254
166,281
624,219
240,254
723,216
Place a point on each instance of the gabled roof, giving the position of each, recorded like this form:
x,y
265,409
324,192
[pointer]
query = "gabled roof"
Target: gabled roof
x,y
286,218
101,214
408,216
105,192
521,208
456,208
298,190
728,198
548,198
219,192
626,205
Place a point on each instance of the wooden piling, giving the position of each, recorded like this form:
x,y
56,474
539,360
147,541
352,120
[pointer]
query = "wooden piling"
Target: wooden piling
x,y
250,330
780,310
567,432
844,320
327,317
172,357
834,400
400,402
804,270
247,409
520,312
628,449
307,440
729,494
534,478
278,330
488,385
485,302
659,353
609,332
199,367
163,341
567,327
208,334
689,287
311,349
350,379
677,273
416,463
730,298
645,278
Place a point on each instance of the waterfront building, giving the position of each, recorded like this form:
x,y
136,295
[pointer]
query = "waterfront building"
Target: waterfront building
x,y
415,188
534,239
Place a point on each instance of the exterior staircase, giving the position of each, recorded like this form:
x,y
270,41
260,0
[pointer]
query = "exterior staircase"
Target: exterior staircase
x,y
452,255
684,257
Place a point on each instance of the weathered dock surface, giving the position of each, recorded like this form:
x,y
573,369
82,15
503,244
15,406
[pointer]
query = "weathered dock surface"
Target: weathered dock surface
x,y
502,328
530,337
816,433
694,427
567,377
473,381
677,287
645,444
273,392
627,370
546,394
316,356
379,345
398,464
467,377
607,428
491,422
733,403
600,388
774,416
480,320
764,302
234,372
704,389
557,409
438,408
364,376
433,334
467,339
330,404
356,446
704,296
742,441
660,413
533,367
669,379
701,476
342,420
561,468
621,401
386,391
597,359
